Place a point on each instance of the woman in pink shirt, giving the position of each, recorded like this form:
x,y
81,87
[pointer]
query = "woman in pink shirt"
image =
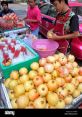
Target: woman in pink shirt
x,y
33,17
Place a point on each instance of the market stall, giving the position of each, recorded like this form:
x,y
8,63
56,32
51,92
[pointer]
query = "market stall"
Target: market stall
x,y
39,77
10,21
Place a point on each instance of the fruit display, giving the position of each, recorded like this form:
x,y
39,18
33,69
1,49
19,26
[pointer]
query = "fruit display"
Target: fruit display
x,y
12,51
53,82
10,21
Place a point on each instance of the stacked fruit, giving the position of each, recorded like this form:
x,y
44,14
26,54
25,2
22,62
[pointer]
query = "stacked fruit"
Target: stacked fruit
x,y
53,82
11,20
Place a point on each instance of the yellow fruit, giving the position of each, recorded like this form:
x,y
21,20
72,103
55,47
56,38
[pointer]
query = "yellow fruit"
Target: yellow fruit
x,y
6,82
34,66
14,103
41,71
14,75
28,85
60,104
52,98
12,84
68,99
23,71
49,34
19,90
11,94
32,74
22,101
24,78
40,103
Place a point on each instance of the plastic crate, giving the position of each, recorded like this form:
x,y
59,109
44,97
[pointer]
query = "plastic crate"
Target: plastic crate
x,y
6,70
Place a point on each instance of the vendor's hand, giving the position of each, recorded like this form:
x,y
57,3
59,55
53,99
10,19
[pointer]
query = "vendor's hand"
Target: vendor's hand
x,y
49,34
55,36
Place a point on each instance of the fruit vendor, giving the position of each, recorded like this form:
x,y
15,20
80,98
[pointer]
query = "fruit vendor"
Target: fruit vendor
x,y
5,9
66,25
33,17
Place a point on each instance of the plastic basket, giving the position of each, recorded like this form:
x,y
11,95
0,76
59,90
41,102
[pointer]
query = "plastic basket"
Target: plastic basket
x,y
45,47
6,70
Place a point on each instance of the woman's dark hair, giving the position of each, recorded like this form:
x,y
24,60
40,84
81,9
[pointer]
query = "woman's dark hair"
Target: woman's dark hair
x,y
4,2
66,1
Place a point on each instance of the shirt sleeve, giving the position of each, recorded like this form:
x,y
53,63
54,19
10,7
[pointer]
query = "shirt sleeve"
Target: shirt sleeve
x,y
0,14
74,24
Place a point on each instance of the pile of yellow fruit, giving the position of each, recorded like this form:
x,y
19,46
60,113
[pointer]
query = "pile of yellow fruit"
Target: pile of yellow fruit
x,y
53,82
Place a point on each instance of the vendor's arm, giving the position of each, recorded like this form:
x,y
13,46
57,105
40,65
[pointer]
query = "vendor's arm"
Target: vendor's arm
x,y
74,30
68,36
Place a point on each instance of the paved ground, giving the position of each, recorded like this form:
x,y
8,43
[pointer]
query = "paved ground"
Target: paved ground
x,y
20,9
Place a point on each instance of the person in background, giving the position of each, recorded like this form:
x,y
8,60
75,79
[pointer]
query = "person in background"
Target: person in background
x,y
67,23
33,17
5,9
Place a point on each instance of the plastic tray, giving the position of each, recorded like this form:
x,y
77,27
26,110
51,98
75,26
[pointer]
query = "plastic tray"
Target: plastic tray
x,y
6,70
15,30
